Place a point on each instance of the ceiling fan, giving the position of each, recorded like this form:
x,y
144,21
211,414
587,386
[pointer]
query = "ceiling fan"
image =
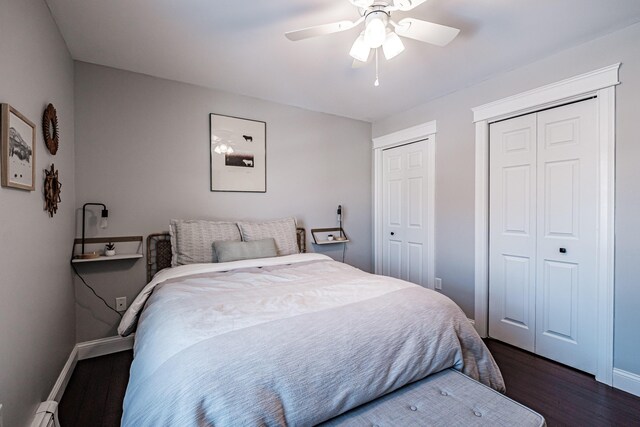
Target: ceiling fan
x,y
381,31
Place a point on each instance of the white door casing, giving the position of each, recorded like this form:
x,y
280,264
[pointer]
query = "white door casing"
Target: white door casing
x,y
404,228
512,228
425,131
600,83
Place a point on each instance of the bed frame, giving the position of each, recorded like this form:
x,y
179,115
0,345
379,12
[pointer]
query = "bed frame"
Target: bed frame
x,y
159,250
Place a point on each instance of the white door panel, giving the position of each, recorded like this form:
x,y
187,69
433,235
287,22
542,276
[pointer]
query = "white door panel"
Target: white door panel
x,y
567,215
512,232
517,200
560,300
404,206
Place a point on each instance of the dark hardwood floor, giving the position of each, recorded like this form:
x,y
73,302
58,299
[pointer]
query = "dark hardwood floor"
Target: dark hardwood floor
x,y
95,391
564,396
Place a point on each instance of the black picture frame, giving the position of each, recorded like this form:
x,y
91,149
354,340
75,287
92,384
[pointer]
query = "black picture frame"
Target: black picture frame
x,y
238,154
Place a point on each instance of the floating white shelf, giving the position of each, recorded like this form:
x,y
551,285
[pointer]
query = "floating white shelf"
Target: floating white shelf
x,y
320,236
330,242
107,258
112,239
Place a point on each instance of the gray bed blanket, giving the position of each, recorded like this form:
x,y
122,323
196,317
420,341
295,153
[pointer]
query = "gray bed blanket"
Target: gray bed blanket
x,y
306,368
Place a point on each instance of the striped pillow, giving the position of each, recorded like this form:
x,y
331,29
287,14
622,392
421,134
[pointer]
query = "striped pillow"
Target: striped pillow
x,y
283,231
192,240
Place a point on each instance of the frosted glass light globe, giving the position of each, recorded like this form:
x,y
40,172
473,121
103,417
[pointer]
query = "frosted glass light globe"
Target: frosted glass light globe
x,y
375,32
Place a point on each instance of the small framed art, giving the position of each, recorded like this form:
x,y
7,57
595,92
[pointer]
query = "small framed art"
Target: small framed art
x,y
18,149
238,154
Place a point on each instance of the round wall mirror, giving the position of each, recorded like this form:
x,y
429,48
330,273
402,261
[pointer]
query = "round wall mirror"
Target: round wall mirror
x,y
50,129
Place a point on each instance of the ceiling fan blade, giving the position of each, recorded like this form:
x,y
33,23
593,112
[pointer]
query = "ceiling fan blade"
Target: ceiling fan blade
x,y
363,4
359,64
406,5
427,32
321,30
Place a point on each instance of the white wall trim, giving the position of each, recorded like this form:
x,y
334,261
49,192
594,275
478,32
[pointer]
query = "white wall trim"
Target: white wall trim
x,y
600,83
65,375
627,381
545,96
45,414
103,346
413,134
481,267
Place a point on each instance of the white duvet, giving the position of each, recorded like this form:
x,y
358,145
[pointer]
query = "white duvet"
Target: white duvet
x,y
293,340
189,315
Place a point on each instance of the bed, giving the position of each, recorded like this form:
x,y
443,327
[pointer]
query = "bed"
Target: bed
x,y
293,339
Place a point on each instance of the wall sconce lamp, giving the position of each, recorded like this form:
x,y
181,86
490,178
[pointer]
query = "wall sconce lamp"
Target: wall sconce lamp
x,y
103,224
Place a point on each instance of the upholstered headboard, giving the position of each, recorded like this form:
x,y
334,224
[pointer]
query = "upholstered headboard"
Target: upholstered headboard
x,y
159,250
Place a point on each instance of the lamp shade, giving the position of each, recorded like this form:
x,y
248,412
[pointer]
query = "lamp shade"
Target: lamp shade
x,y
392,46
360,49
223,149
375,31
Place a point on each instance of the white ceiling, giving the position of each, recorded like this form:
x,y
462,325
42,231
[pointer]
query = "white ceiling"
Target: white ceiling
x,y
239,46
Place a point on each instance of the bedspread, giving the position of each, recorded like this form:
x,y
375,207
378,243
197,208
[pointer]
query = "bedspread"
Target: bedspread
x,y
294,342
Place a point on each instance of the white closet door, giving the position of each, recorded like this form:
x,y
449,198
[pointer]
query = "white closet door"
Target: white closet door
x,y
512,247
405,212
567,246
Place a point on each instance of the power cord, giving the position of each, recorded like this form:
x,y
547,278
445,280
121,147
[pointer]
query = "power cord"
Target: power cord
x,y
344,250
73,267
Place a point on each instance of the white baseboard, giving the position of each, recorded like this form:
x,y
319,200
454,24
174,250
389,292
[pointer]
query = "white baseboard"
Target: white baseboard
x,y
104,346
627,381
65,376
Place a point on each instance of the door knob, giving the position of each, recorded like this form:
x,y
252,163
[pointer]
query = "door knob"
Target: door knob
x,y
563,250
393,234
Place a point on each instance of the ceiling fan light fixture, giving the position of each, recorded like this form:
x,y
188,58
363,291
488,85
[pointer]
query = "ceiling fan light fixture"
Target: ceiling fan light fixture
x,y
360,49
392,46
375,31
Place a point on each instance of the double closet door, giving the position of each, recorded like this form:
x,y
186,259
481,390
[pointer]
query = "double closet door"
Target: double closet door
x,y
542,244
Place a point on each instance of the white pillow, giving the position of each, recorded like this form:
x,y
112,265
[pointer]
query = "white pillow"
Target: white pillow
x,y
192,240
283,231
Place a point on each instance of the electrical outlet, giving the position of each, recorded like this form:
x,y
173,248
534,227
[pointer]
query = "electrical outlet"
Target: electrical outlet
x,y
121,304
438,284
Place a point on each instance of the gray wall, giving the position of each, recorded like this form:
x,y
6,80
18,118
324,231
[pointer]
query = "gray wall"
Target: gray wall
x,y
455,172
36,296
143,149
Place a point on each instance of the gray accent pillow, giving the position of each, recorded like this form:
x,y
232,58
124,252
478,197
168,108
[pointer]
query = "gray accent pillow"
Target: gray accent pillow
x,y
192,240
283,231
235,251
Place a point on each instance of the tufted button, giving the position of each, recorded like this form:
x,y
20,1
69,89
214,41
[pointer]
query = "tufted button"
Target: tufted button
x,y
413,408
444,393
477,413
375,425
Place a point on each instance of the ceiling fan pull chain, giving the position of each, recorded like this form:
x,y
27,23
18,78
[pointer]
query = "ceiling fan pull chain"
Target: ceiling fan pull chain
x,y
377,82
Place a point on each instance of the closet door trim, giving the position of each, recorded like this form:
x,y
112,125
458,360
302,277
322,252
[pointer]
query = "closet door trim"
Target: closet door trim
x,y
601,84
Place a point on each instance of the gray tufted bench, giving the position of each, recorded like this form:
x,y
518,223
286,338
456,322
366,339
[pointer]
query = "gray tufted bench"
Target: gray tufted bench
x,y
448,398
